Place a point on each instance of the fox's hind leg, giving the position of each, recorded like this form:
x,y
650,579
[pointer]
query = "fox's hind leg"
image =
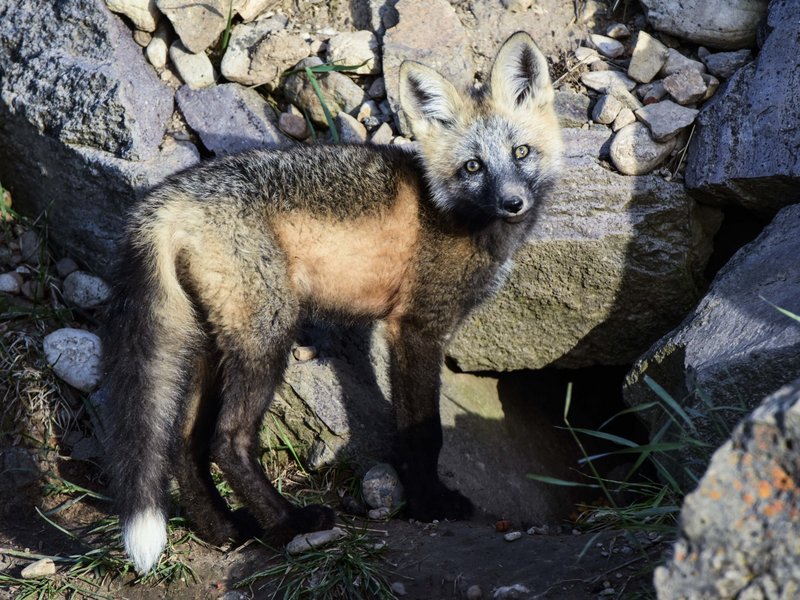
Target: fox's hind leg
x,y
253,317
205,508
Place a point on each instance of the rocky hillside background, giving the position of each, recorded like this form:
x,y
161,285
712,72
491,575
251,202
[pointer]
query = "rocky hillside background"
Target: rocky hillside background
x,y
666,250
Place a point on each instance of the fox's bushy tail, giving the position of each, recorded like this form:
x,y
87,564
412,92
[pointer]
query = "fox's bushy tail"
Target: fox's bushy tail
x,y
151,330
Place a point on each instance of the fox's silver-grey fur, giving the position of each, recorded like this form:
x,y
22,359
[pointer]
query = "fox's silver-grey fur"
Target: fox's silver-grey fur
x,y
223,261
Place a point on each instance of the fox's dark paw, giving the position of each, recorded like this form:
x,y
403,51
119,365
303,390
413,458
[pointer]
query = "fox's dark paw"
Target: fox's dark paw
x,y
440,503
247,526
313,517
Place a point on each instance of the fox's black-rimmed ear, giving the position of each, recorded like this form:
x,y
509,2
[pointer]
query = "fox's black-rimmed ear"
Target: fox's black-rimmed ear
x,y
427,98
520,79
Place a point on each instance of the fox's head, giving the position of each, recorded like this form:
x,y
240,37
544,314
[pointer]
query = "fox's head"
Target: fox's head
x,y
491,154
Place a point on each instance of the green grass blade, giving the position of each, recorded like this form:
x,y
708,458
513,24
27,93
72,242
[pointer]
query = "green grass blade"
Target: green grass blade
x,y
783,311
670,401
560,482
315,85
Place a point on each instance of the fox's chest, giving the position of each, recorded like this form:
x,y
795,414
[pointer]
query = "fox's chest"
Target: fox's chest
x,y
361,266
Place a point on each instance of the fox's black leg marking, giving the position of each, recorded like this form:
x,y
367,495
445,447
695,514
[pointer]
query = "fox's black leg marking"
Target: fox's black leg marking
x,y
416,360
249,382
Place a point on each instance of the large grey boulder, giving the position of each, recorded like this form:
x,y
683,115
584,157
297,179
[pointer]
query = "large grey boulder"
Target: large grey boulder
x,y
726,24
739,529
72,70
744,150
613,264
735,348
82,119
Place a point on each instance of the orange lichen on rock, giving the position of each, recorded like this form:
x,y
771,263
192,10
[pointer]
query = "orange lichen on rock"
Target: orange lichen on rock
x,y
774,508
764,489
782,480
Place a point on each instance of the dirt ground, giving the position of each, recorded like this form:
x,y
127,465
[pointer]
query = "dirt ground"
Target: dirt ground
x,y
430,562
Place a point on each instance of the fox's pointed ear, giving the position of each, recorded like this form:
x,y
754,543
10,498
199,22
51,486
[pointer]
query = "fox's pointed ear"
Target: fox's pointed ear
x,y
427,98
519,75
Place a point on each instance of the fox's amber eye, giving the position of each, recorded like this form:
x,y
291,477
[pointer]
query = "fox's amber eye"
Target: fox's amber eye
x,y
472,166
521,151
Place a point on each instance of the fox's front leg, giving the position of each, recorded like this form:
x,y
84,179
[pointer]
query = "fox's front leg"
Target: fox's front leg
x,y
417,354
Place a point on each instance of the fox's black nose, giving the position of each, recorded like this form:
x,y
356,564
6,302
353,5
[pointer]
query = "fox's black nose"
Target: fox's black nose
x,y
513,204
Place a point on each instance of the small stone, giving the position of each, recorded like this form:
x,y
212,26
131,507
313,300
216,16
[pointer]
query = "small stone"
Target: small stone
x,y
382,135
368,109
649,56
510,592
158,47
260,52
600,65
74,355
44,567
678,62
712,85
517,5
634,152
142,37
142,13
627,99
624,118
605,81
606,109
355,48
474,592
195,69
399,140
586,55
250,9
198,24
666,119
725,64
350,130
10,283
30,247
618,31
377,89
607,46
308,541
372,123
398,588
686,87
381,487
512,536
305,353
85,290
379,514
293,125
543,530
652,92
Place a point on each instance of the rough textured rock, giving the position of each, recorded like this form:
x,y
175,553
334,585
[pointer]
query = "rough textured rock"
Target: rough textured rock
x,y
726,24
634,151
648,58
340,92
443,47
666,119
686,87
196,70
72,70
381,487
85,290
354,49
572,108
86,191
230,118
739,528
608,47
198,24
614,262
677,62
317,539
259,52
744,149
725,64
143,13
734,347
606,81
606,109
74,355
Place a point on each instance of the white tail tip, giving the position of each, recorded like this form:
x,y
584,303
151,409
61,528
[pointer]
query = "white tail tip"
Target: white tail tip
x,y
145,536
